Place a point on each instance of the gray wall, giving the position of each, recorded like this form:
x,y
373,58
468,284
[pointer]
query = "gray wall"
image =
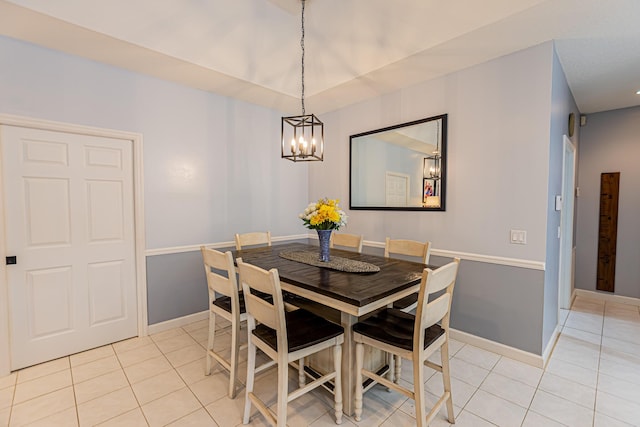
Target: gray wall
x,y
562,103
212,168
180,286
498,154
498,172
212,164
610,142
499,303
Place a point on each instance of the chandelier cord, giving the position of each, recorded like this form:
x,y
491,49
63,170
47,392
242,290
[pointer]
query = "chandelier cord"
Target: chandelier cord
x,y
302,46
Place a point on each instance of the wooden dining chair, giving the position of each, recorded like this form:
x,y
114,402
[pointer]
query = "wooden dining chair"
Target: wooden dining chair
x,y
285,337
254,238
413,337
347,240
225,301
412,248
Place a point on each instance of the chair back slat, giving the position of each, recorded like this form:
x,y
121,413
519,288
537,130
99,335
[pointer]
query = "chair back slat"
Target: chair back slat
x,y
443,277
221,284
254,238
412,248
261,310
436,310
223,262
347,240
268,282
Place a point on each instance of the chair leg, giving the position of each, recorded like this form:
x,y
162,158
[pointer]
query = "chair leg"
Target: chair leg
x,y
212,333
359,391
283,393
390,359
251,370
418,389
301,376
446,379
233,372
337,389
398,368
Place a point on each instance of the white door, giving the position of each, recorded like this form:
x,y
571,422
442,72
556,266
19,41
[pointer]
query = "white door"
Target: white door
x,y
396,189
69,221
566,224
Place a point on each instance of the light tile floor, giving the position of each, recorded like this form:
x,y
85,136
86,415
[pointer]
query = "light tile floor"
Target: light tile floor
x,y
592,379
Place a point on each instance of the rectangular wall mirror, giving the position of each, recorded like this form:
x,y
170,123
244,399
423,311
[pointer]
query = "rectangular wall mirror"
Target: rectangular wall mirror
x,y
401,167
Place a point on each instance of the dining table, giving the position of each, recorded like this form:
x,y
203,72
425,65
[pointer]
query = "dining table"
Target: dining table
x,y
350,295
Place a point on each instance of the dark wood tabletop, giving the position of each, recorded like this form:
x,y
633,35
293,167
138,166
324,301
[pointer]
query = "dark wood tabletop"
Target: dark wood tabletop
x,y
357,289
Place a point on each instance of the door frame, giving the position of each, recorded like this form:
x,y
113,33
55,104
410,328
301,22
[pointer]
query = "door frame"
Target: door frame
x,y
566,261
138,204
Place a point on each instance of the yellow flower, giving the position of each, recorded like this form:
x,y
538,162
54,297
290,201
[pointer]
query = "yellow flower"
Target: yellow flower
x,y
325,214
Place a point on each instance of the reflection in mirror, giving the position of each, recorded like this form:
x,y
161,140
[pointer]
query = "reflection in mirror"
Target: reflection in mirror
x,y
400,167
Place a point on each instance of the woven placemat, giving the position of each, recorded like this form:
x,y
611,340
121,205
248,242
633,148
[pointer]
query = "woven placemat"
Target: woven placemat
x,y
335,263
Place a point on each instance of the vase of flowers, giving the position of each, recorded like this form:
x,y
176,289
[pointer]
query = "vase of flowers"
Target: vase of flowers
x,y
324,216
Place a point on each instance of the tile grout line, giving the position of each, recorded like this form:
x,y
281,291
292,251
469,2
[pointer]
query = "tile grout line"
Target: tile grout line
x,y
595,400
13,397
73,387
130,387
598,377
544,371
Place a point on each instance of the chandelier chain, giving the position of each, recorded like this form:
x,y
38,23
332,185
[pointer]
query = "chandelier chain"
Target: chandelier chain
x,y
302,46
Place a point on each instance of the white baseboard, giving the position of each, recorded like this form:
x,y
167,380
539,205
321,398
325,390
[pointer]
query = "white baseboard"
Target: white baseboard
x,y
607,297
550,345
498,348
177,322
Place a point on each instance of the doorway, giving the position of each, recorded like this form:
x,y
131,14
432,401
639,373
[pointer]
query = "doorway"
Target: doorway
x,y
565,280
70,201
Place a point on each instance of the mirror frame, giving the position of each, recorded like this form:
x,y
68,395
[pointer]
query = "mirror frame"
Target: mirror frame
x,y
443,167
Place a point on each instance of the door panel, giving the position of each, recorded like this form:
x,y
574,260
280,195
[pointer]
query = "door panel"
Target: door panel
x,y
49,302
45,152
103,157
106,215
48,217
106,292
70,222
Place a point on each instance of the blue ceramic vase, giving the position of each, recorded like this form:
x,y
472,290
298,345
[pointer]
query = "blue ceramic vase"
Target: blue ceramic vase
x,y
324,236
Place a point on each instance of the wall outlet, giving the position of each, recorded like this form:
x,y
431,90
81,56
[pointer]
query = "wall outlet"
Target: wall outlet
x,y
558,203
518,237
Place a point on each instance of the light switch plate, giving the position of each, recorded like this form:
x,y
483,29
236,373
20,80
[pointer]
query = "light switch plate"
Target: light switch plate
x,y
518,237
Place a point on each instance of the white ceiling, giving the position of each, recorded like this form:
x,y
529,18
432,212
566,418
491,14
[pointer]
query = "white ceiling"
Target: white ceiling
x,y
355,49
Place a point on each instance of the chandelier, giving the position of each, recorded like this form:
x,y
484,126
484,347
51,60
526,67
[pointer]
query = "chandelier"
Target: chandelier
x,y
303,135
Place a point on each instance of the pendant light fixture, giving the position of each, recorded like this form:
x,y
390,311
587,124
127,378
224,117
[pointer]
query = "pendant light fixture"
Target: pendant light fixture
x,y
302,136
